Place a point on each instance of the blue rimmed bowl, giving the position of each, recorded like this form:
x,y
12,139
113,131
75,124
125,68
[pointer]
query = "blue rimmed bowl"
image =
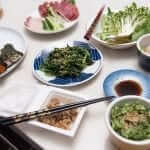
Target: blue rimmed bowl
x,y
118,76
87,74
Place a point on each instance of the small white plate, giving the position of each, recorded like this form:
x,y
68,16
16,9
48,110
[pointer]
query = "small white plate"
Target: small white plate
x,y
11,36
104,43
87,74
35,14
65,97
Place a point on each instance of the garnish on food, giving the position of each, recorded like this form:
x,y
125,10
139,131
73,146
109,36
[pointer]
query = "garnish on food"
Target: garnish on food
x,y
62,120
68,61
125,25
8,56
131,120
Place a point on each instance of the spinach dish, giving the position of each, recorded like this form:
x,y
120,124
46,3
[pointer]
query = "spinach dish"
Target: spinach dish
x,y
131,120
68,61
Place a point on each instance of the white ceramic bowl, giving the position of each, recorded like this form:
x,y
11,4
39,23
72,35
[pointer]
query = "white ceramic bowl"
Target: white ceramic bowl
x,y
143,58
119,141
104,43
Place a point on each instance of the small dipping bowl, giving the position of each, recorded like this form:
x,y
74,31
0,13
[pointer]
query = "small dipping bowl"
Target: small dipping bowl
x,y
144,57
121,142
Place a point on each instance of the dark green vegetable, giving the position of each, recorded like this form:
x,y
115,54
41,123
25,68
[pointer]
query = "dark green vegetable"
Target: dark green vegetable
x,y
131,120
73,1
68,61
45,25
50,25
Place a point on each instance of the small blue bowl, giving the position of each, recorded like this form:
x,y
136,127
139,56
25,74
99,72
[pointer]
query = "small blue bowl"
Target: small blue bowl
x,y
116,77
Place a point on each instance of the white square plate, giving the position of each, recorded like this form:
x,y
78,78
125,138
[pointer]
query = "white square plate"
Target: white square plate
x,y
66,97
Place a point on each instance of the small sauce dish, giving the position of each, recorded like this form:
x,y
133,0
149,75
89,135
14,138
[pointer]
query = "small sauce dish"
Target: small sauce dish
x,y
143,46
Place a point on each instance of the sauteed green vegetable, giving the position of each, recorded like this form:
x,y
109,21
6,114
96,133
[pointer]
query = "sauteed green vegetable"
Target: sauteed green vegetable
x,y
131,120
68,61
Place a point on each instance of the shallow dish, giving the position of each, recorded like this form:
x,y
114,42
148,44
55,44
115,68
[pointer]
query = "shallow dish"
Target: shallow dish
x,y
65,97
119,141
87,74
36,14
104,43
11,36
116,77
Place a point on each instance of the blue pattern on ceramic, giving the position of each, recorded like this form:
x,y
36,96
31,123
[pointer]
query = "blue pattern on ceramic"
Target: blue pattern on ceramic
x,y
126,74
93,51
68,80
37,62
86,75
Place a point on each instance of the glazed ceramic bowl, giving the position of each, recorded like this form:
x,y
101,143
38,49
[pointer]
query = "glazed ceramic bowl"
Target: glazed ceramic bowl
x,y
98,29
143,58
121,142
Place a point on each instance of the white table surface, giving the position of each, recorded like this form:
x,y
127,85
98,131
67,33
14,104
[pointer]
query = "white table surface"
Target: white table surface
x,y
92,133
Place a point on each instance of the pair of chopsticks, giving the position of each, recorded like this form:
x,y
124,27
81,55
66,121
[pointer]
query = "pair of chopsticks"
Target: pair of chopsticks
x,y
45,112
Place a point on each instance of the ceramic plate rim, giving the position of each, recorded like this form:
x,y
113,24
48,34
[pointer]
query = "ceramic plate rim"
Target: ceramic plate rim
x,y
72,84
24,51
118,70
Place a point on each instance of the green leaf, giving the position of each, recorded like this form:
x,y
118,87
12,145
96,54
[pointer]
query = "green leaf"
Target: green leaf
x,y
72,1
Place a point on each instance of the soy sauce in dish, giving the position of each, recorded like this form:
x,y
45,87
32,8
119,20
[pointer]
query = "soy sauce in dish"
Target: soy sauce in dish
x,y
128,87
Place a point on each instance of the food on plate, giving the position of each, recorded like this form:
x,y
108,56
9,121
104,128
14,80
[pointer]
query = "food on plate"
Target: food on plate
x,y
63,119
34,24
3,67
67,61
52,21
126,25
66,9
131,120
128,87
8,56
53,16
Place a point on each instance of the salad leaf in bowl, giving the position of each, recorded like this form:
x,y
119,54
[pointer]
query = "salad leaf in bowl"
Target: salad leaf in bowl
x,y
125,26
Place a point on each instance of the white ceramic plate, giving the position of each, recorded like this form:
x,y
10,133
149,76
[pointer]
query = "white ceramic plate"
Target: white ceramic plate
x,y
65,97
87,74
104,43
11,36
35,14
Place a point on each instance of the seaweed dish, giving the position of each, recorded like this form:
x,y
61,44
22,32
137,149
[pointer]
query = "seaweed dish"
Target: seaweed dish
x,y
8,57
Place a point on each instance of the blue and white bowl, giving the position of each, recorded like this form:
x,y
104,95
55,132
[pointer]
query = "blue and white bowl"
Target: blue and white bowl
x,y
87,74
126,74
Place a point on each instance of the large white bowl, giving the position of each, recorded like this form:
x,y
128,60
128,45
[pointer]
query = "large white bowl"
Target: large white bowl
x,y
119,141
104,43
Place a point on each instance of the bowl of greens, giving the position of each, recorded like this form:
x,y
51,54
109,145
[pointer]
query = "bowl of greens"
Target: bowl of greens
x,y
120,29
128,121
66,64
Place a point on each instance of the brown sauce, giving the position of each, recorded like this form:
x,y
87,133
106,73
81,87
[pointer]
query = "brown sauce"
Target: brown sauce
x,y
128,87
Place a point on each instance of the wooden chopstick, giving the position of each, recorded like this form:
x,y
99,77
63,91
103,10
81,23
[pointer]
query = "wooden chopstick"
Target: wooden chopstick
x,y
94,23
44,112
